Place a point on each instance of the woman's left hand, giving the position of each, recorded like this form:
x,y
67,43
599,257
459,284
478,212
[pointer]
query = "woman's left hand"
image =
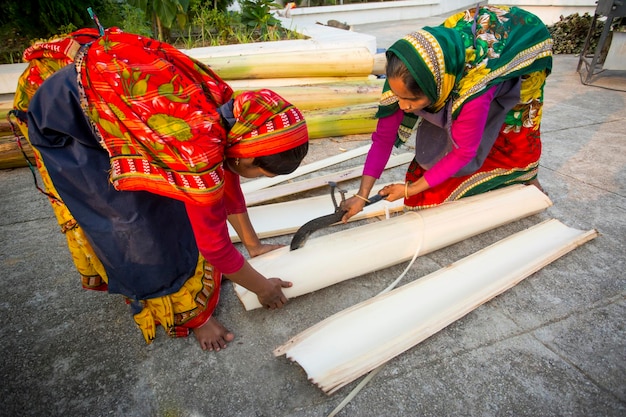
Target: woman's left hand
x,y
393,191
261,248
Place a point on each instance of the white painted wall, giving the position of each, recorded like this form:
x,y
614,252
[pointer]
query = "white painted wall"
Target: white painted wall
x,y
389,11
550,11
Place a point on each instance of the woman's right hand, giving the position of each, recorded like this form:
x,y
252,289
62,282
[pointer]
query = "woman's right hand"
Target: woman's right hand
x,y
271,296
352,205
355,204
268,291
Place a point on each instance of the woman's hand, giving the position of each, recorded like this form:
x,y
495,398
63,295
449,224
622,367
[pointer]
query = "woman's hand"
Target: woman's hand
x,y
261,248
353,205
271,296
268,291
394,191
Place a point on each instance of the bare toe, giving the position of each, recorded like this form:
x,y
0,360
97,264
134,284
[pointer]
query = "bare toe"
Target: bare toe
x,y
213,336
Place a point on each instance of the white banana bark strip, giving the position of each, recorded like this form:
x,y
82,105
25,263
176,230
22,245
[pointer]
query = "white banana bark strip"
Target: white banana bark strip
x,y
260,183
332,258
361,338
267,194
283,218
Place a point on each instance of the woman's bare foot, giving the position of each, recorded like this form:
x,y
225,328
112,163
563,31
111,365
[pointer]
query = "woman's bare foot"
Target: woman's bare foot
x,y
212,335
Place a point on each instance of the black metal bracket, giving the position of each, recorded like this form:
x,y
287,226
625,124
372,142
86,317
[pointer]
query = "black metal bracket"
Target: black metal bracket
x,y
611,9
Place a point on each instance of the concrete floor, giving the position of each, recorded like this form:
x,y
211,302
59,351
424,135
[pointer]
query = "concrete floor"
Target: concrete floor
x,y
554,345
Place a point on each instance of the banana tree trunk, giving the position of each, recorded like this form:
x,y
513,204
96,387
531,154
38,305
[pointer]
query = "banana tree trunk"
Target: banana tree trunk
x,y
341,121
322,123
331,95
314,63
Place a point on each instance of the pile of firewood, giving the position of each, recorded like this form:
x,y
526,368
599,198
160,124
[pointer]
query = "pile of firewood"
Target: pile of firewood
x,y
570,32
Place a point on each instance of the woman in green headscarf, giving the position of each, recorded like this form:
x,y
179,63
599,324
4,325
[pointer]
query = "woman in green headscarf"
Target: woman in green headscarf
x,y
470,92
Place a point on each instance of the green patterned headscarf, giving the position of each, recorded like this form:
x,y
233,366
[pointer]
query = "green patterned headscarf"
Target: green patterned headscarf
x,y
468,53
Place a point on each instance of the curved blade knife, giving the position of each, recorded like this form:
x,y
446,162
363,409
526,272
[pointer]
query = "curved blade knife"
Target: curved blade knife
x,y
303,233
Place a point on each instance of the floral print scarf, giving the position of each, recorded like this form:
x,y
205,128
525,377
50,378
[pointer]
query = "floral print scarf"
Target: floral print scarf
x,y
466,55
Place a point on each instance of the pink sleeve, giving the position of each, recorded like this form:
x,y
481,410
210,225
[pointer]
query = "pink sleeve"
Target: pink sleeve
x,y
467,132
383,140
211,230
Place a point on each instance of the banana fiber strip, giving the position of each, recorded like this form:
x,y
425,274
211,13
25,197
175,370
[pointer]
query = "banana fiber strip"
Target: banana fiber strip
x,y
361,338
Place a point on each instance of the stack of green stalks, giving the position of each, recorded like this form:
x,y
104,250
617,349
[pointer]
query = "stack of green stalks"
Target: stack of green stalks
x,y
336,100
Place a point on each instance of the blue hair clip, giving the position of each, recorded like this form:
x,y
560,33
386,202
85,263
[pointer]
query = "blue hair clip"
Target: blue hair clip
x,y
95,19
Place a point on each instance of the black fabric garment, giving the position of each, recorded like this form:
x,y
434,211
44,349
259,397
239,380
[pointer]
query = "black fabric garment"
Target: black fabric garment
x,y
144,240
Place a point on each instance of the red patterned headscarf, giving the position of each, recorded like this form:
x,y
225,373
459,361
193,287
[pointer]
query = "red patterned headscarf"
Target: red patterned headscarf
x,y
156,112
266,124
46,58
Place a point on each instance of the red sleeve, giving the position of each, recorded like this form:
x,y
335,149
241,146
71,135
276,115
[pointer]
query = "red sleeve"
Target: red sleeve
x,y
212,236
383,140
467,132
233,195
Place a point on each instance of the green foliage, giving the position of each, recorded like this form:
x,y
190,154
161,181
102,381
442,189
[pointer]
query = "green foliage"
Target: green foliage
x,y
211,27
165,11
256,14
37,19
114,13
221,5
134,20
206,22
66,29
25,21
13,45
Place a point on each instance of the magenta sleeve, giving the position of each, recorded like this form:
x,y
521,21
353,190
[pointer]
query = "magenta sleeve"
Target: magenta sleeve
x,y
382,144
467,131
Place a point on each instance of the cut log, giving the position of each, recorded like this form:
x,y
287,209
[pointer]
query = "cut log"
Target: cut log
x,y
380,64
5,127
313,63
359,339
331,110
271,193
283,218
341,121
356,251
324,123
272,83
328,96
10,154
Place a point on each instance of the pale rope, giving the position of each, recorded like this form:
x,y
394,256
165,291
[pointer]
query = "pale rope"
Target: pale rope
x,y
375,371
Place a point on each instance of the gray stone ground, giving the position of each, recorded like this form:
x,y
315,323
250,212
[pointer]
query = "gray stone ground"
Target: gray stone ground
x,y
554,345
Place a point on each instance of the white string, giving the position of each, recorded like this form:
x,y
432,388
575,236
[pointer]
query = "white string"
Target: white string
x,y
391,286
355,391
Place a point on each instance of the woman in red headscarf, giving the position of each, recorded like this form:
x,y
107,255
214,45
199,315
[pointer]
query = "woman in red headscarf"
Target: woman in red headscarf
x,y
146,146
